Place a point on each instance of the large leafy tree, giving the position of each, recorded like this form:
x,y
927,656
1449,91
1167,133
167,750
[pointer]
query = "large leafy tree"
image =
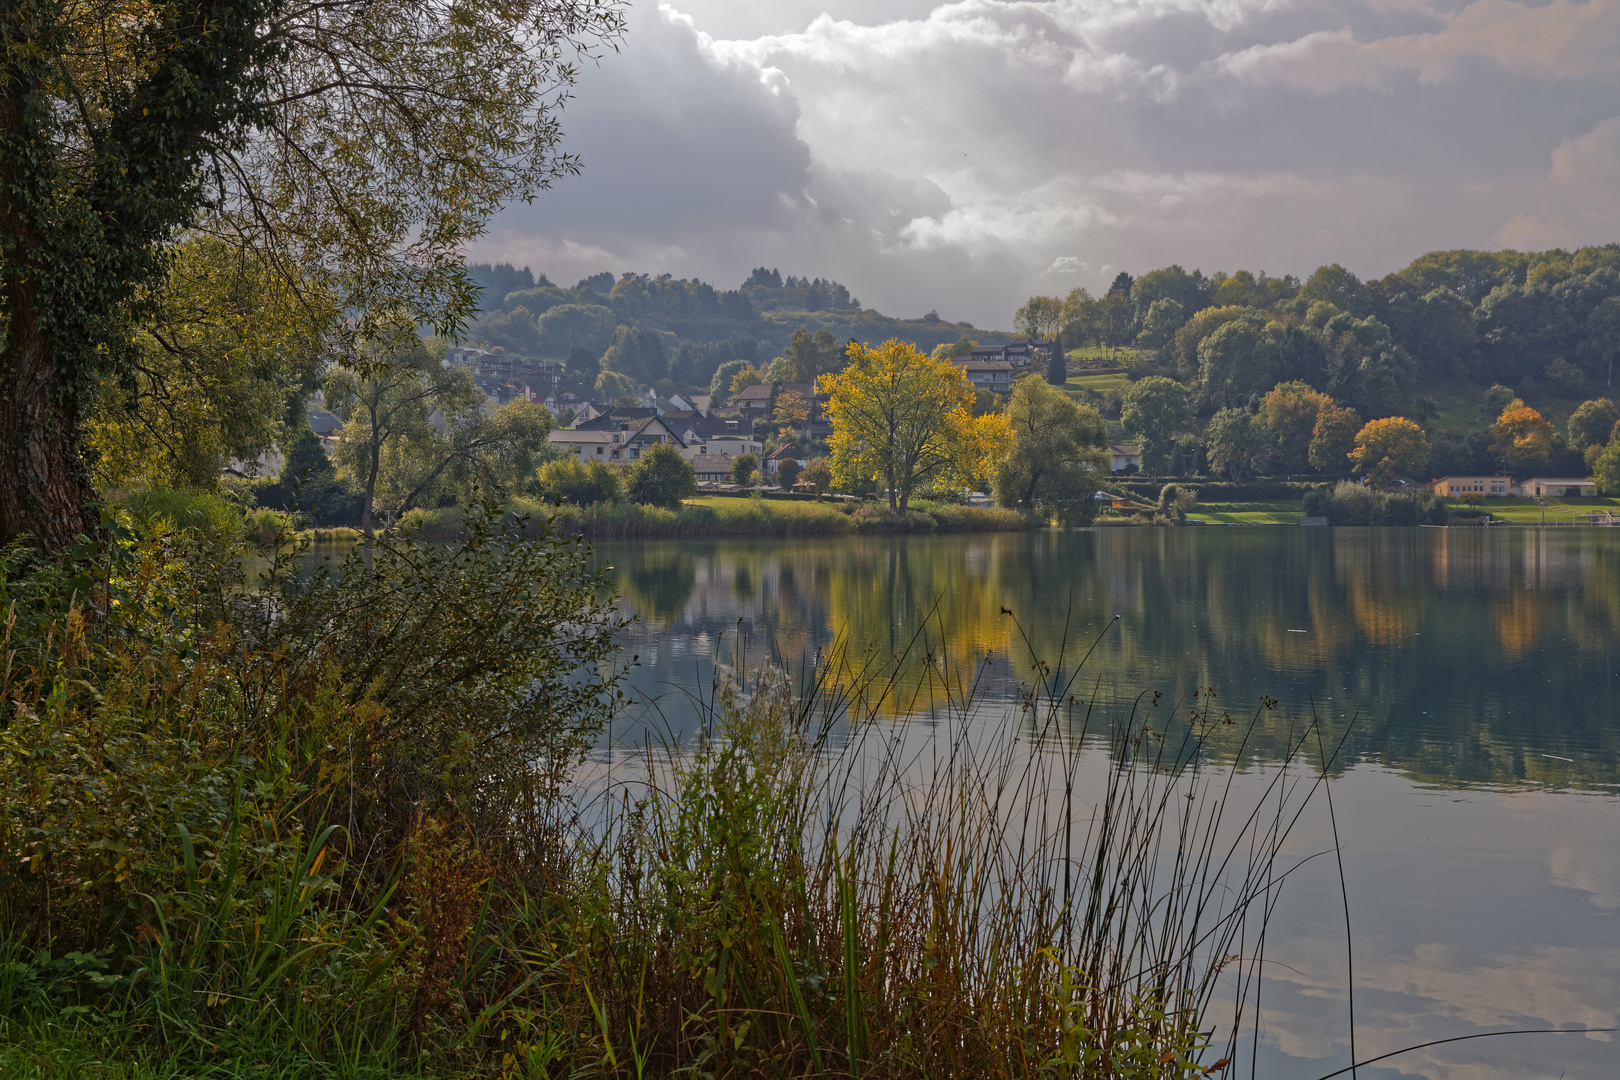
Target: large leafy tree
x,y
1237,443
353,146
1289,412
1592,423
1333,437
413,428
1521,438
1389,448
1156,410
904,420
1056,463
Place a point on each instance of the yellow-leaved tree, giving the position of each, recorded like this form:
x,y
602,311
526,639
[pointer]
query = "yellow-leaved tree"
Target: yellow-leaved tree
x,y
904,419
1389,448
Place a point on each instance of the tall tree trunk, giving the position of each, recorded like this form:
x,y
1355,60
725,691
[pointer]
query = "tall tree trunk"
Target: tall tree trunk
x,y
46,490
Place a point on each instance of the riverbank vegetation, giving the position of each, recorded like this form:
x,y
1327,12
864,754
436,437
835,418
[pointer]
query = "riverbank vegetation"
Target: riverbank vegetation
x,y
313,825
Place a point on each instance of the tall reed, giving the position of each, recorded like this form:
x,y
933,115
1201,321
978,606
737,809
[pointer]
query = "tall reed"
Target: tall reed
x,y
811,890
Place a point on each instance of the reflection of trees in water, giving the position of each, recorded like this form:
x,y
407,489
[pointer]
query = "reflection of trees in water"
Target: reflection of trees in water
x,y
660,581
1467,655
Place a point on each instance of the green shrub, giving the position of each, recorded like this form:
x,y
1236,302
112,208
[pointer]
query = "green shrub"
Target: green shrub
x,y
660,477
578,483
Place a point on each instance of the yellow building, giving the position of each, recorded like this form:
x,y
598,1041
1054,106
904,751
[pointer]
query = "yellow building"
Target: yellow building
x,y
1452,487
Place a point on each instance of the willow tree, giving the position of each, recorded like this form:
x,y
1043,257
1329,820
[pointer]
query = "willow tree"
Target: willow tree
x,y
354,147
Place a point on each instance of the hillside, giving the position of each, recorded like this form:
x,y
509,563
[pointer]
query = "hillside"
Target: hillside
x,y
1449,342
697,326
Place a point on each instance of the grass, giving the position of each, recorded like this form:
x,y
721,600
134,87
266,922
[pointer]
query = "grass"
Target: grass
x,y
1271,512
1558,511
1117,380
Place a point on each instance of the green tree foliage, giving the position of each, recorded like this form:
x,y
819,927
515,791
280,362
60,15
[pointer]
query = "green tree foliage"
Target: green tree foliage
x,y
1056,463
819,475
383,135
1190,291
787,474
744,467
1606,468
1592,423
570,326
309,484
615,389
1289,412
1057,367
1564,377
810,356
1164,317
720,387
582,367
578,483
1226,361
393,454
1156,409
640,355
225,358
1333,438
1337,286
1364,366
1041,317
660,477
1237,444
1193,332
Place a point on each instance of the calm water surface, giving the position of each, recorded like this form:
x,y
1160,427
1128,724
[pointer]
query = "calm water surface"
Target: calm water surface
x,y
1477,802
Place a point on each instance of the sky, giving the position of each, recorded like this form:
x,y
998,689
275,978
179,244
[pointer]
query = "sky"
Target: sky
x,y
962,157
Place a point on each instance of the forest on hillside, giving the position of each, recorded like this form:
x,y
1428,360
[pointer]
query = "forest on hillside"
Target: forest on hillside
x,y
1449,341
682,329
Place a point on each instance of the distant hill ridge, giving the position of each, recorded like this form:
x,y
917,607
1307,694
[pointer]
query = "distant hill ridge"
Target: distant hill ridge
x,y
702,326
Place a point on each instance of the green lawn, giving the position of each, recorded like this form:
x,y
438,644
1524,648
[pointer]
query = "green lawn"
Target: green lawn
x,y
1528,512
725,503
1270,512
1114,380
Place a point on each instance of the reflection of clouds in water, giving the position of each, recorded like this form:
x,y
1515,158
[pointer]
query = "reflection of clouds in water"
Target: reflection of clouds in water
x,y
1414,994
1592,867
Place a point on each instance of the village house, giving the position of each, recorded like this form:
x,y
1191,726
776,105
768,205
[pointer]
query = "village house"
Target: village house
x,y
1122,456
785,452
614,440
992,375
1452,487
1542,487
712,468
1019,353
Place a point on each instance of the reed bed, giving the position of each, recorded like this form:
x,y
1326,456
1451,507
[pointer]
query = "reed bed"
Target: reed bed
x,y
313,831
814,891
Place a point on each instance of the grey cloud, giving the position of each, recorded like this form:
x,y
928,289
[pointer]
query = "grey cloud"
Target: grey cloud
x,y
955,155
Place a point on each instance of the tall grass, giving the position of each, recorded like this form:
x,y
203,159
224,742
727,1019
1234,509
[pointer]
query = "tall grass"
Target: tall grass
x,y
230,846
978,902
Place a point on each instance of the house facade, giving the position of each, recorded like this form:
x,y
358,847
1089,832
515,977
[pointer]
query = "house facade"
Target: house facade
x,y
1122,456
992,375
785,452
1542,487
1453,487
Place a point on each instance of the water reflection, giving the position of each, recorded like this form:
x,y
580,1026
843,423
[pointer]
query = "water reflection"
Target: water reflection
x,y
1468,656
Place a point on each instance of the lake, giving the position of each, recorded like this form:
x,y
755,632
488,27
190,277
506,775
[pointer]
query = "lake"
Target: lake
x,y
1477,672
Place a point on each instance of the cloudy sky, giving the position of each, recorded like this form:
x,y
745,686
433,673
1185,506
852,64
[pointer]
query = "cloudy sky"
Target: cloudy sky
x,y
963,156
